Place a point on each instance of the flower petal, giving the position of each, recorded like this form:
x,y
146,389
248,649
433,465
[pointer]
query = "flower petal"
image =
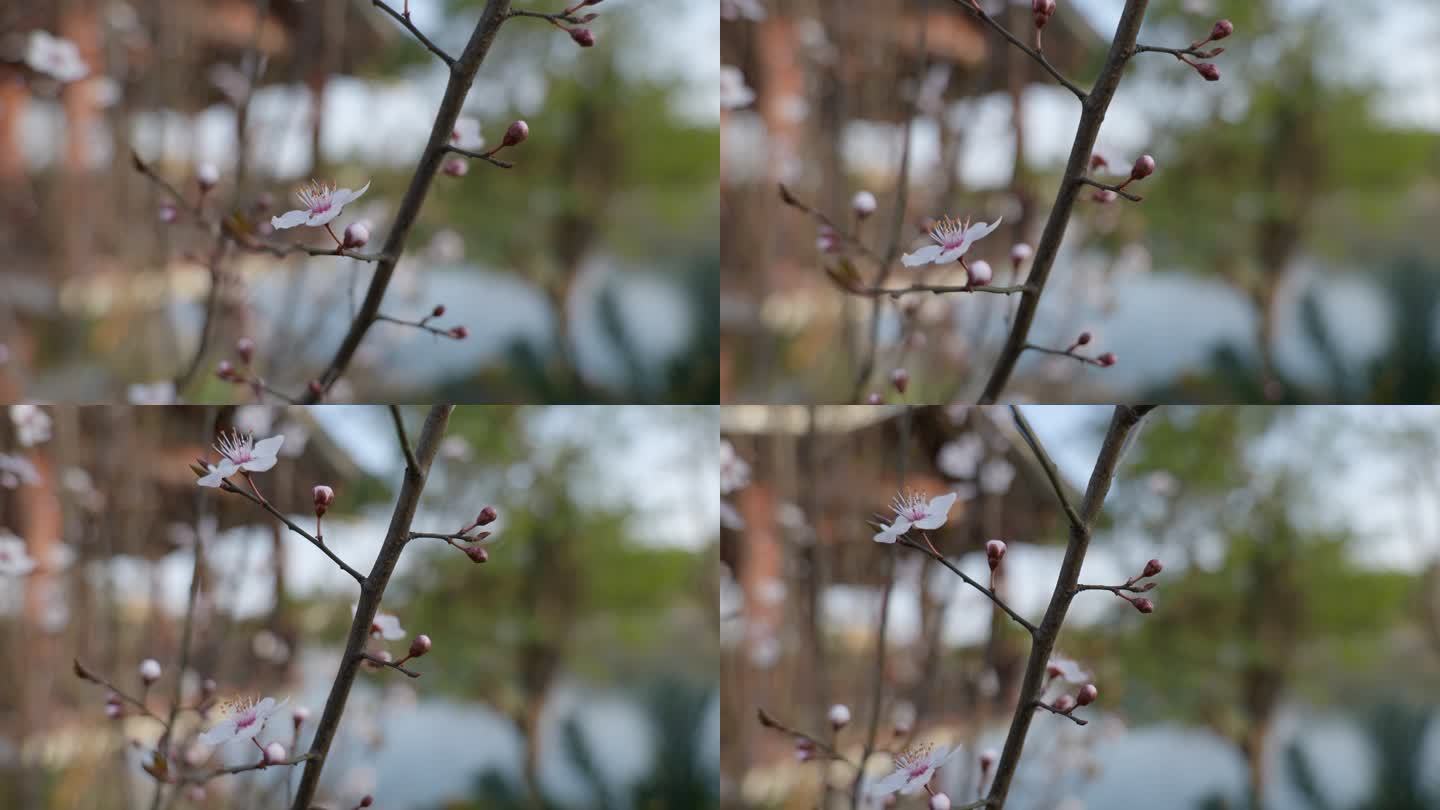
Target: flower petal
x,y
980,230
289,219
324,217
894,531
937,512
345,196
219,733
924,255
890,783
264,453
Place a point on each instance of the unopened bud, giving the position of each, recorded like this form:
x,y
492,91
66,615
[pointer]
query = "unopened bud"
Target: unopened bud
x,y
487,516
516,133
356,235
477,554
225,370
274,753
301,715
1152,568
987,760
839,716
939,801
207,176
1107,359
900,378
438,311
1019,254
1097,161
1209,71
324,496
168,213
245,347
149,671
1085,338
583,37
1143,605
1042,10
419,646
455,167
1064,704
1087,694
827,240
367,801
459,332
1143,168
315,388
863,203
994,553
1222,29
980,273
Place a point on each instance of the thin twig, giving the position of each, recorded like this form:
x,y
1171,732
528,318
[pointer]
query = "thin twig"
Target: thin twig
x,y
206,776
485,156
974,8
410,462
991,595
85,673
788,197
1040,704
1070,353
895,292
409,26
1047,464
422,324
1083,146
294,527
818,744
1120,190
381,662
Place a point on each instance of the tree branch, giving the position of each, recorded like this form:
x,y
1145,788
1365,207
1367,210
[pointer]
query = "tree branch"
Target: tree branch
x,y
404,20
1046,463
294,527
974,8
462,76
410,463
371,592
991,595
1093,115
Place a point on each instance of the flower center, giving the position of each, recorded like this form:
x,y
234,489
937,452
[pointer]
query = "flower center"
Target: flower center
x,y
245,720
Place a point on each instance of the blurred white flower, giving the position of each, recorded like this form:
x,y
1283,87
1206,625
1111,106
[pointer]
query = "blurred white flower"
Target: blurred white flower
x,y
959,458
384,625
17,470
466,135
156,393
995,476
54,56
15,560
32,424
734,93
734,471
1067,669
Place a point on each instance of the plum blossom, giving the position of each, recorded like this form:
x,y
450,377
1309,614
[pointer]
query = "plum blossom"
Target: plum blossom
x,y
952,238
734,93
54,56
32,425
323,203
241,719
15,560
244,453
913,768
914,512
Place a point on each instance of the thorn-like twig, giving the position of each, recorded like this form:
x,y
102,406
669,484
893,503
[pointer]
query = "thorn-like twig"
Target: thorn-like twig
x,y
404,19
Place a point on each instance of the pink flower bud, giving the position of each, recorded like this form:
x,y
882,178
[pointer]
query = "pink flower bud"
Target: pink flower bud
x,y
1152,568
1087,694
168,213
987,760
487,516
455,167
826,239
196,793
980,273
301,715
459,332
477,554
1042,10
245,347
900,378
873,398
1143,168
149,671
315,388
1019,254
804,750
939,802
994,553
1085,338
438,311
583,37
1222,29
1097,161
863,203
207,176
356,235
1209,71
419,646
1064,704
516,133
1143,605
839,716
274,753
385,656
1149,586
225,370
367,801
324,496
1107,359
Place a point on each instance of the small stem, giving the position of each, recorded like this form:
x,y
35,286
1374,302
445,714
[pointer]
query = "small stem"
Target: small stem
x,y
404,19
1120,189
